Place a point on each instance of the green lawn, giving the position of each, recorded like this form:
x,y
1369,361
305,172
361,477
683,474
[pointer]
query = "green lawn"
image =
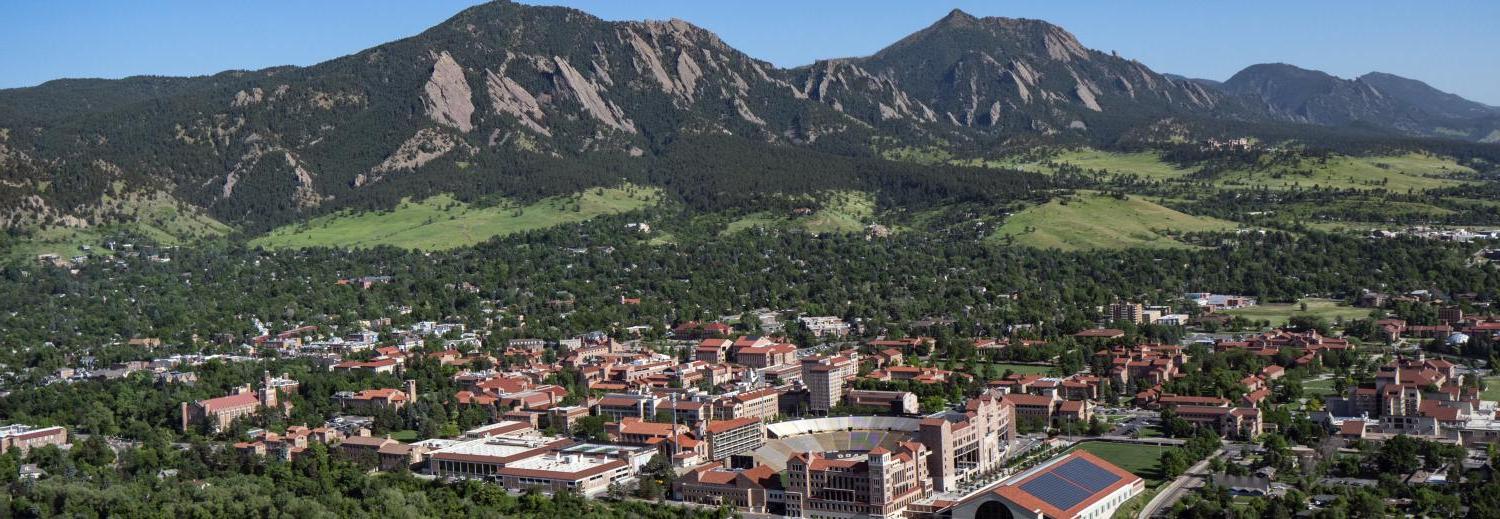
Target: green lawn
x,y
841,212
1141,460
1093,221
407,435
1024,369
441,222
1315,388
1149,431
1280,313
1491,388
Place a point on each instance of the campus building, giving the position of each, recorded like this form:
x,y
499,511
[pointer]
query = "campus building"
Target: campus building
x,y
973,441
877,483
825,379
1078,485
760,403
744,489
25,437
218,413
734,436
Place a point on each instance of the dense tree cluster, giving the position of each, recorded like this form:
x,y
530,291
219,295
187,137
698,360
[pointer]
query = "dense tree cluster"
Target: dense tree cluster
x,y
205,481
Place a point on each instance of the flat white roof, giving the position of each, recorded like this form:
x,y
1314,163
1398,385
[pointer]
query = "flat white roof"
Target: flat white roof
x,y
499,446
19,429
563,463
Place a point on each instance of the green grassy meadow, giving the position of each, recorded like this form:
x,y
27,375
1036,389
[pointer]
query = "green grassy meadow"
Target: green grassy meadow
x,y
1396,173
842,212
1146,164
1399,174
441,222
1102,222
156,216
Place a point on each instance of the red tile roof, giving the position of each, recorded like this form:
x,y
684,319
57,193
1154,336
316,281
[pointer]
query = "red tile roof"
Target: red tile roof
x,y
225,402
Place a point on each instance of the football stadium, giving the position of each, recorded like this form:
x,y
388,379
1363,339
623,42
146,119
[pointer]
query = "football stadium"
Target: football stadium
x,y
833,434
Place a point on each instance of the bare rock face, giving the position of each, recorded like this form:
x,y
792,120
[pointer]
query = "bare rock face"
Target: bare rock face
x,y
246,162
1125,85
243,98
588,96
1085,91
426,146
746,114
306,195
1062,46
448,100
688,73
651,61
1020,83
1086,97
510,98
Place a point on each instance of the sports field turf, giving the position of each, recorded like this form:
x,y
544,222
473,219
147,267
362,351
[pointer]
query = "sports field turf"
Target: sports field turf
x,y
1140,459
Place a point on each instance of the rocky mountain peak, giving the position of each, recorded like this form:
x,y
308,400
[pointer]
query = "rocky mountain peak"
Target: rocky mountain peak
x,y
957,18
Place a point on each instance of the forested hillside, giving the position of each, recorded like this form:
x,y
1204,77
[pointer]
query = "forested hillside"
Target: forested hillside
x,y
521,103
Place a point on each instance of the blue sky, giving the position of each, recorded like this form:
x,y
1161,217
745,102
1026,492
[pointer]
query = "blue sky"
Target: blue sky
x,y
1451,44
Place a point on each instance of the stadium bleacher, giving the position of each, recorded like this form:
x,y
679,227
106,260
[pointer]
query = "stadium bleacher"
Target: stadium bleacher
x,y
835,433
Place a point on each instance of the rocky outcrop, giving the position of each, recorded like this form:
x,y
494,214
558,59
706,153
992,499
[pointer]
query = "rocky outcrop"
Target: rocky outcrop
x,y
587,94
329,101
1086,96
1062,46
426,146
647,57
994,113
744,110
243,98
306,196
447,97
688,74
247,162
509,98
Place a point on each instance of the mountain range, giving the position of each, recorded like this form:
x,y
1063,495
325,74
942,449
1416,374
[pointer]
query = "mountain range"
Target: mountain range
x,y
530,101
1383,100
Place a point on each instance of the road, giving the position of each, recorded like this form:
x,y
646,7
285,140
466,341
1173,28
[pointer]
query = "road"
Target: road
x,y
1192,478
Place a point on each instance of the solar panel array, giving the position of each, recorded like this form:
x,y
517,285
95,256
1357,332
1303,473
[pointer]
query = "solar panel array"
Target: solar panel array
x,y
1087,475
1066,485
1056,491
